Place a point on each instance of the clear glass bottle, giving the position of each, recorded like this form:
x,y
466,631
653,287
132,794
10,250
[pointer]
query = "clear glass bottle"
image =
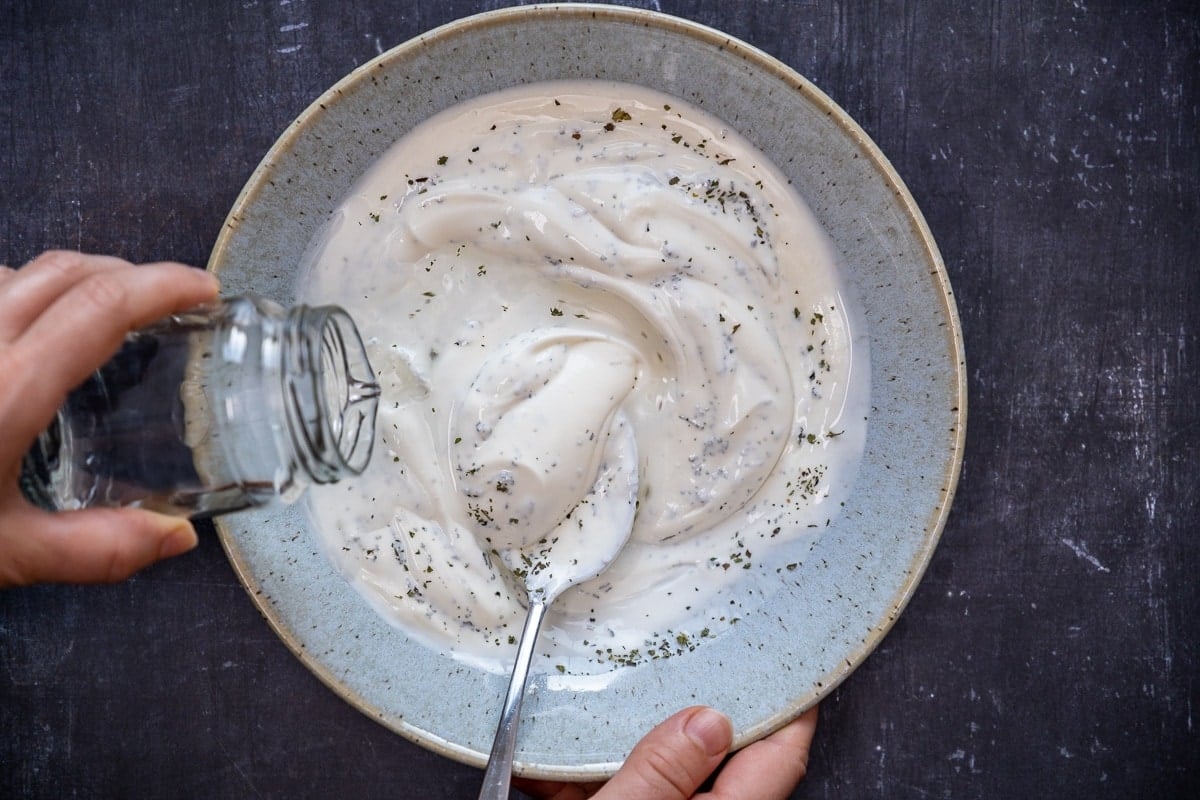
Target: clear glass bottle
x,y
217,409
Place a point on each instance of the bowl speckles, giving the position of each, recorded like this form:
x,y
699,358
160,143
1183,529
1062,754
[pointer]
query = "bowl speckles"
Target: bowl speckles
x,y
836,605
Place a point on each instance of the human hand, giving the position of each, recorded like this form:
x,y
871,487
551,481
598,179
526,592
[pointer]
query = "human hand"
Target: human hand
x,y
61,317
675,758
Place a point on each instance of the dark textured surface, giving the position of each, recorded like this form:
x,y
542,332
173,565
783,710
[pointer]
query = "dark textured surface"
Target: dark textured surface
x,y
1053,647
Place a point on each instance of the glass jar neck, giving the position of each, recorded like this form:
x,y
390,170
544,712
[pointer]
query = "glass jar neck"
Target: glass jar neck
x,y
329,392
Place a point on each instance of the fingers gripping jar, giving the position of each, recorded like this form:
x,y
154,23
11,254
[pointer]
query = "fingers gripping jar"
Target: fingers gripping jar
x,y
217,409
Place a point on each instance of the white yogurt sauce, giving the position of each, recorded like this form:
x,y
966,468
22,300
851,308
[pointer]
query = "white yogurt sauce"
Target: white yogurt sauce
x,y
591,306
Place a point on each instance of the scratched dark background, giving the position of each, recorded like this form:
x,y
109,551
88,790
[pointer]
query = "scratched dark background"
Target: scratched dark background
x,y
1053,647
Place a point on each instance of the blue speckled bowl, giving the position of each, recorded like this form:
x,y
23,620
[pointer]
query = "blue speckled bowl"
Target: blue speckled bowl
x,y
832,610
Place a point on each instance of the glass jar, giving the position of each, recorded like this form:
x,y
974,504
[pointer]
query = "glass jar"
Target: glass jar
x,y
217,409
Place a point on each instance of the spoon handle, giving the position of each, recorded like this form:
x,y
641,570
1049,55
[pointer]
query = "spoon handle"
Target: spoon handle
x,y
499,770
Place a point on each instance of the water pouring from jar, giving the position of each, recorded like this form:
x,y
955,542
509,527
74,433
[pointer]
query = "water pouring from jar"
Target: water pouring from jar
x,y
552,518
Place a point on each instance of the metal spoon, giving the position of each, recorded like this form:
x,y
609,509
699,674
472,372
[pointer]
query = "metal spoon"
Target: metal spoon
x,y
580,548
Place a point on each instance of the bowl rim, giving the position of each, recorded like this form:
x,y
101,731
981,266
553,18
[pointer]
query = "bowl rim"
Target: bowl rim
x,y
930,256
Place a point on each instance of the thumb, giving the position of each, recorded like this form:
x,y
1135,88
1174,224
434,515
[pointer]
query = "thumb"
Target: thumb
x,y
673,760
100,545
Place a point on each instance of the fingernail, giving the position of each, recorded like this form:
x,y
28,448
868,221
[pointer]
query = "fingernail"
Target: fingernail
x,y
711,729
181,539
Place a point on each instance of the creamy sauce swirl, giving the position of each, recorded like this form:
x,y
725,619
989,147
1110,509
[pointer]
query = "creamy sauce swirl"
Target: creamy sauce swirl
x,y
590,306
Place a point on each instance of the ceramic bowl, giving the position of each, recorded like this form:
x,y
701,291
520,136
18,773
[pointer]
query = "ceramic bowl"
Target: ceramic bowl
x,y
828,615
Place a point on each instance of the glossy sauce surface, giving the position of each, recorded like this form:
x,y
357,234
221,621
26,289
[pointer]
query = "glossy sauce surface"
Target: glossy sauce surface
x,y
590,306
